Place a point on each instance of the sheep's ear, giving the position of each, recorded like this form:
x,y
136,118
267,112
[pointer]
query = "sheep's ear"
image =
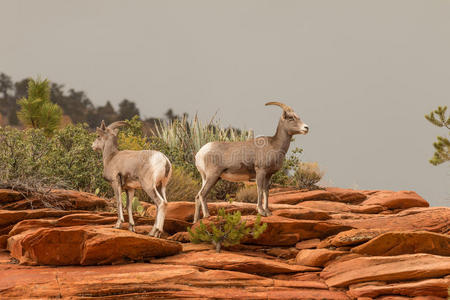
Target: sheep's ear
x,y
115,132
284,115
103,125
100,131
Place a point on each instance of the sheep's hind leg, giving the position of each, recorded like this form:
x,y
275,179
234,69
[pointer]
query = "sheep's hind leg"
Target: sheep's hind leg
x,y
130,196
118,195
208,185
152,193
260,184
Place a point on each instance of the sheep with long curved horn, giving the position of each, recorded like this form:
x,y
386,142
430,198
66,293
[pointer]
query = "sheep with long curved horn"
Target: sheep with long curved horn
x,y
130,170
242,161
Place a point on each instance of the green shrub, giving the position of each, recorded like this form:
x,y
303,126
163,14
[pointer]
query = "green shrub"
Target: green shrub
x,y
229,230
307,175
248,194
182,186
283,176
64,160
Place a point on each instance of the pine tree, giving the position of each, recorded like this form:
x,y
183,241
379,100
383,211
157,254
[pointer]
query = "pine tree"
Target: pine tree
x,y
442,146
37,111
229,230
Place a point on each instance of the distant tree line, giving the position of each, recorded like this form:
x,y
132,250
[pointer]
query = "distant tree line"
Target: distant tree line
x,y
76,105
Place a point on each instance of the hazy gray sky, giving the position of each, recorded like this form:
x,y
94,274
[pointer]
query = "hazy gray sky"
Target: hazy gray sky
x,y
362,74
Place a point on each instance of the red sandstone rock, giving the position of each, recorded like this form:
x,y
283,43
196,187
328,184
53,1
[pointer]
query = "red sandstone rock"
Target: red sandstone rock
x,y
435,219
317,257
337,207
296,197
350,238
396,200
233,262
307,244
64,199
428,287
287,232
347,195
8,217
397,243
302,213
152,281
86,245
385,268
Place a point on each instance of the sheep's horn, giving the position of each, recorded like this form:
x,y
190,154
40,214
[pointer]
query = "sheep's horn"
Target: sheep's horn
x,y
117,124
282,105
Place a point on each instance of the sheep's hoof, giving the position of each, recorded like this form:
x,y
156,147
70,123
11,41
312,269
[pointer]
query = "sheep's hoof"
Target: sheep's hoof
x,y
131,228
262,212
117,226
155,232
267,213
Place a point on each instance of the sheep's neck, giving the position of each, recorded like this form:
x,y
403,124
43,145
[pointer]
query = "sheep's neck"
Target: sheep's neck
x,y
109,151
281,140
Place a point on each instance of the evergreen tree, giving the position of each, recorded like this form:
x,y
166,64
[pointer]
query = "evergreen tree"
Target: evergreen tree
x,y
127,110
37,111
228,230
442,146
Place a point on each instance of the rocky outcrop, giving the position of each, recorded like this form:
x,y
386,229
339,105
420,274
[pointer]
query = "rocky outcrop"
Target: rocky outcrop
x,y
234,262
62,199
82,245
325,244
397,243
317,257
343,273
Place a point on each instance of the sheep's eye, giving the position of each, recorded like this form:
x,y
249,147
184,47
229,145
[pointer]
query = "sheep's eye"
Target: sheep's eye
x,y
291,118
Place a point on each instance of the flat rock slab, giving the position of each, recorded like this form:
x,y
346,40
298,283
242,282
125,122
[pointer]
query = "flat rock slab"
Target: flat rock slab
x,y
434,219
65,199
347,195
283,231
150,281
385,268
233,262
302,213
86,245
307,244
397,243
428,287
350,237
397,200
317,257
338,207
294,197
8,217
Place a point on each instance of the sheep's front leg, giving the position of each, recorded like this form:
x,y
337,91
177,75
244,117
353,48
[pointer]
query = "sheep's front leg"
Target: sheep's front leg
x,y
118,195
130,196
260,183
266,196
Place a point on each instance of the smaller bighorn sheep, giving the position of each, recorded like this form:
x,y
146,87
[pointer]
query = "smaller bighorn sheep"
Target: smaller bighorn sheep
x,y
130,170
242,161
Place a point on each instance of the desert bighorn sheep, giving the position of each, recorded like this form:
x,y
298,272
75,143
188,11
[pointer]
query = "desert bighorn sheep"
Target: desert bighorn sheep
x,y
241,161
130,170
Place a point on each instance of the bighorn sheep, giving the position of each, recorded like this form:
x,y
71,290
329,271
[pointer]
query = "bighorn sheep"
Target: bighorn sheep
x,y
130,170
241,161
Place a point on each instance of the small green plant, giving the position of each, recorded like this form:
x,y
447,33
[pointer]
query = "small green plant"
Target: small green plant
x,y
228,230
442,146
37,111
307,175
135,204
